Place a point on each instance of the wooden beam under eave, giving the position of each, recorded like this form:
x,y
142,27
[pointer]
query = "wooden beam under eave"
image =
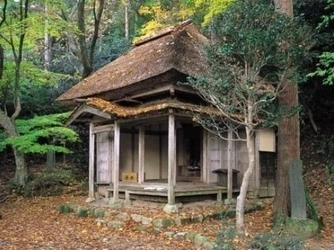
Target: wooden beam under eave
x,y
141,156
171,158
91,161
115,166
83,108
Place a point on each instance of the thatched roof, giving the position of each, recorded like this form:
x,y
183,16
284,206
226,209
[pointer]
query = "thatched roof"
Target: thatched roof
x,y
178,49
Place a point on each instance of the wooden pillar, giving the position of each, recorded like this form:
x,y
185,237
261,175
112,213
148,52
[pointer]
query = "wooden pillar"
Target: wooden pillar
x,y
91,161
132,151
141,156
160,153
257,172
230,163
115,176
205,169
171,158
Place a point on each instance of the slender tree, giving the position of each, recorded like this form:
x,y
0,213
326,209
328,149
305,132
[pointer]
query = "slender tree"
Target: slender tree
x,y
249,61
19,35
86,53
7,121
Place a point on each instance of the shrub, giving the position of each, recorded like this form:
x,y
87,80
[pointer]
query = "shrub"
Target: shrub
x,y
64,209
44,184
225,237
274,241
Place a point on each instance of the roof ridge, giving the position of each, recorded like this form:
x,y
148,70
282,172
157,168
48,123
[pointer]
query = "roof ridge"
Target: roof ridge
x,y
163,32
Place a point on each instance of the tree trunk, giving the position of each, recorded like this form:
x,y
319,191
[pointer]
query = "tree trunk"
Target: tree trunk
x,y
241,199
126,20
1,61
21,172
86,54
288,135
288,150
50,161
47,42
86,64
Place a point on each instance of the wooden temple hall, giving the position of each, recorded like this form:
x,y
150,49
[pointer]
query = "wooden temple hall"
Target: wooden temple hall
x,y
143,141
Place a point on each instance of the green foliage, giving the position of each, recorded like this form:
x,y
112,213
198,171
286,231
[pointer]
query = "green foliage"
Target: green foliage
x,y
330,172
37,89
64,209
42,134
45,184
82,212
35,24
211,9
224,238
16,188
255,51
312,212
326,147
160,16
272,241
325,66
2,138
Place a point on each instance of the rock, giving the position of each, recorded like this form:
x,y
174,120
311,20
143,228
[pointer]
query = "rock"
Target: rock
x,y
208,245
115,224
122,216
301,228
179,205
199,240
191,237
98,213
163,223
146,221
180,235
182,220
113,203
136,217
171,209
169,234
141,228
197,219
100,222
156,230
90,199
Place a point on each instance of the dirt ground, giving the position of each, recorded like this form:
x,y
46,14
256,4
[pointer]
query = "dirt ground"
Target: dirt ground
x,y
35,223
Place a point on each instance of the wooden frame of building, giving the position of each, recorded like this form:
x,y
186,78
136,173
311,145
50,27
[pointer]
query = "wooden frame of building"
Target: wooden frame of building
x,y
143,140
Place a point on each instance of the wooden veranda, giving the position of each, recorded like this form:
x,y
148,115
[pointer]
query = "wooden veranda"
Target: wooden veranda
x,y
157,190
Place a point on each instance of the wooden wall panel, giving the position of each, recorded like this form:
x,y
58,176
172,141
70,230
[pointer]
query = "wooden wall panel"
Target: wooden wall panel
x,y
103,157
126,154
214,156
152,159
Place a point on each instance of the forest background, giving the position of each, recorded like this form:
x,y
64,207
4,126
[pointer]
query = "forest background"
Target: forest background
x,y
48,46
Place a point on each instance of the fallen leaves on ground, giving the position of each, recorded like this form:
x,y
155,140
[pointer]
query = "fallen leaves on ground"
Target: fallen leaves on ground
x,y
35,223
322,193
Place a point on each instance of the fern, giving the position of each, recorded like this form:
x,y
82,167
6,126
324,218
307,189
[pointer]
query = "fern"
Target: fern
x,y
41,134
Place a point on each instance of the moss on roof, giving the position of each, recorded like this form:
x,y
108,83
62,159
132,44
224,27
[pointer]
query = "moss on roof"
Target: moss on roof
x,y
125,112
